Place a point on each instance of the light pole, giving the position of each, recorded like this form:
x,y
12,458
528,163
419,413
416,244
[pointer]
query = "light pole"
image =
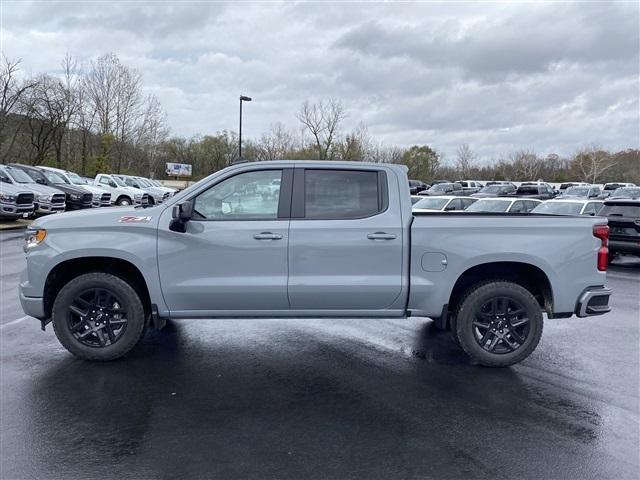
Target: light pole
x,y
242,99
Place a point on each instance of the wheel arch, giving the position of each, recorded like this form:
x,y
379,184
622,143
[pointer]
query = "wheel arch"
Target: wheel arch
x,y
68,269
123,196
529,276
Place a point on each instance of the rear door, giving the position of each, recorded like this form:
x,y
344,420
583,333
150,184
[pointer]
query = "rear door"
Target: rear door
x,y
345,240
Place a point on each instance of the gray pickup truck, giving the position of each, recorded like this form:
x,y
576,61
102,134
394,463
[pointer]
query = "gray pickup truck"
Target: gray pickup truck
x,y
311,239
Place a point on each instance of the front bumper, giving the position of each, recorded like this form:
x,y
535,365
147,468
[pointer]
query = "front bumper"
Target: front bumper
x,y
14,209
594,301
50,208
32,306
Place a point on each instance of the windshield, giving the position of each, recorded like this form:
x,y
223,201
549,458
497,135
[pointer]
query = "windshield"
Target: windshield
x,y
53,177
19,176
143,182
494,189
76,179
441,187
558,208
119,182
630,192
155,183
489,205
577,191
432,203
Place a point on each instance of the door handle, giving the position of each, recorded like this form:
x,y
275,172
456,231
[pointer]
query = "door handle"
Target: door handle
x,y
381,236
267,236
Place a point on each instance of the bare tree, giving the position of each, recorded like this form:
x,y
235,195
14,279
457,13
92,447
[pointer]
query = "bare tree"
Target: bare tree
x,y
152,132
276,144
322,120
526,164
464,160
12,91
591,162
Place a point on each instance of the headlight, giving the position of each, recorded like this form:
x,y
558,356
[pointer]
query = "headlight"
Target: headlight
x,y
96,196
138,196
34,238
74,196
7,198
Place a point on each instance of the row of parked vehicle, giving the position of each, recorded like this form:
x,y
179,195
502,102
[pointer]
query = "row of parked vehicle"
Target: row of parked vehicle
x,y
535,190
622,212
27,190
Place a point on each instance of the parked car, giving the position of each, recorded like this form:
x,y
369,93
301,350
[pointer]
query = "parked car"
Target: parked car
x,y
15,201
624,225
156,194
626,192
567,206
77,197
495,189
101,198
589,191
121,194
443,189
504,205
156,183
609,188
416,186
445,203
339,240
470,186
500,182
416,198
46,199
540,191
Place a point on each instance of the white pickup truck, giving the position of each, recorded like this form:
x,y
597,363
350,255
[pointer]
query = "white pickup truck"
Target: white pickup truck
x,y
121,194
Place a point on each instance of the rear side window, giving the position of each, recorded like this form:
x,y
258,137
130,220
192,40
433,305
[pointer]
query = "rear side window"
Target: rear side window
x,y
342,194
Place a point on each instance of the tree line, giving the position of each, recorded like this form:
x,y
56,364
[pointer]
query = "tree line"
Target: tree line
x,y
95,117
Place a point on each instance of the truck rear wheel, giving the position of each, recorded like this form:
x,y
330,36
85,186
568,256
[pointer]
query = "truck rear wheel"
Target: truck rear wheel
x,y
98,316
498,323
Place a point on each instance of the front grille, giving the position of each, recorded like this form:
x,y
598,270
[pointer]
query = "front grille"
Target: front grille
x,y
57,198
87,198
24,199
106,197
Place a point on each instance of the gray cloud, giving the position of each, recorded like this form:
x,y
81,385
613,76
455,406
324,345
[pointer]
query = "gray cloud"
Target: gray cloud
x,y
550,77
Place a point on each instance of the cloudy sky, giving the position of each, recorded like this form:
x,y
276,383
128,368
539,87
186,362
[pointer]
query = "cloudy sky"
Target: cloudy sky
x,y
551,77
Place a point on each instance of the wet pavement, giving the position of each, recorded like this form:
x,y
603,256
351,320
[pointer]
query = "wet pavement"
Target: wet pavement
x,y
326,399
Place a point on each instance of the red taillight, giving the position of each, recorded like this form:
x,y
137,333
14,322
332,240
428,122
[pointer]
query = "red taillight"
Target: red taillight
x,y
602,232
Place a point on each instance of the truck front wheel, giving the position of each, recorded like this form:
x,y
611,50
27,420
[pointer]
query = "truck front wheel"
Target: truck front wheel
x,y
498,323
98,316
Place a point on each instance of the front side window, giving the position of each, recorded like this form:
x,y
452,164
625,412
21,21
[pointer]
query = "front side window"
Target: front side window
x,y
341,194
247,196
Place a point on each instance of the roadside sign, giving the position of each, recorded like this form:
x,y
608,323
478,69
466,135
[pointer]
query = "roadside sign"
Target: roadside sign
x,y
178,169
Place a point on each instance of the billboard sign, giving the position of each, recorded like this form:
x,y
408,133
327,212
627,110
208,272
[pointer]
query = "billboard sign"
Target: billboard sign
x,y
178,169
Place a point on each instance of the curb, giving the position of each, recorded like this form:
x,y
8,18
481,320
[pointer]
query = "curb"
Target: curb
x,y
13,226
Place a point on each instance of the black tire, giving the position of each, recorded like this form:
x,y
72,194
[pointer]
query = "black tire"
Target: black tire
x,y
123,201
493,346
128,301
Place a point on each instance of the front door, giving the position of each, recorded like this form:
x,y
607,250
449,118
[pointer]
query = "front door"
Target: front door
x,y
345,240
233,255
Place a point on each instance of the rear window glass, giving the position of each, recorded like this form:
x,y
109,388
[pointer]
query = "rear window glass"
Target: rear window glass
x,y
527,190
489,206
432,203
340,194
621,210
559,208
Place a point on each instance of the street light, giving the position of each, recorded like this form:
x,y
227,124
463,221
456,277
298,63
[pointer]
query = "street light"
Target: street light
x,y
243,98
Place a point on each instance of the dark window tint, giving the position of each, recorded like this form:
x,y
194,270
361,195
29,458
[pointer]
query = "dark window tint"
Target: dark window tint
x,y
527,190
517,207
621,210
341,194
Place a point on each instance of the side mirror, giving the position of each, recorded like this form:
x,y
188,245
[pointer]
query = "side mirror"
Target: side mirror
x,y
448,208
181,214
41,181
5,180
112,184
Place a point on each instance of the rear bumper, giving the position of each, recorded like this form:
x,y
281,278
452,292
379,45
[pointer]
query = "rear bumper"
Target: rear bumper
x,y
631,246
594,301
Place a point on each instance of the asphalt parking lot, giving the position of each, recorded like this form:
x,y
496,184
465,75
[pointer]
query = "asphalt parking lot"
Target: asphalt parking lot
x,y
321,399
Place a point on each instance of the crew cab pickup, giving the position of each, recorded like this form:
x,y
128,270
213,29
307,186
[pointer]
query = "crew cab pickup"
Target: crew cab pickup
x,y
336,239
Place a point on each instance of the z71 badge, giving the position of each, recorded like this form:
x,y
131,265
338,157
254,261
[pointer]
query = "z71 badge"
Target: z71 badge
x,y
134,219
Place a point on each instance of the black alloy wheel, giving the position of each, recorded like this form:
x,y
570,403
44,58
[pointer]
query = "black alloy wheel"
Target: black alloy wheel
x,y
501,325
97,318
